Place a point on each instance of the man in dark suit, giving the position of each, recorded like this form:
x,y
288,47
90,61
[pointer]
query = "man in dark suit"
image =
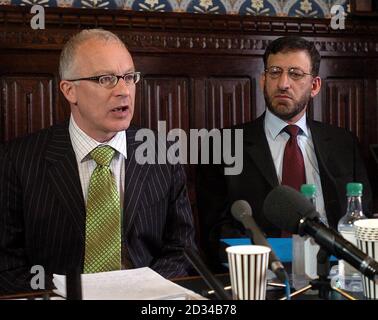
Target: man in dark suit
x,y
329,156
50,216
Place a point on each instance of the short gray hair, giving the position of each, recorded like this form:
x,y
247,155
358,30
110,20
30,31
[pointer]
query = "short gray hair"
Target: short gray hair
x,y
67,57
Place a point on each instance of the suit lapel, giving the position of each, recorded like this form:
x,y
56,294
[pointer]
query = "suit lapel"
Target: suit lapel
x,y
64,178
135,178
257,147
322,144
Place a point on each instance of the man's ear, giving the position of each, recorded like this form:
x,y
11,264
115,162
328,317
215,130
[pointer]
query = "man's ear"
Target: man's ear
x,y
316,85
262,81
68,88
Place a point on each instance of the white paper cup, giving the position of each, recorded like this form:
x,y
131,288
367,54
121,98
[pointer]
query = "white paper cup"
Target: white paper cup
x,y
366,229
367,241
248,266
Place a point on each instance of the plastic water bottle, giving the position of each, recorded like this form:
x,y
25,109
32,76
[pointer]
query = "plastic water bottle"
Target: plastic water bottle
x,y
304,266
350,278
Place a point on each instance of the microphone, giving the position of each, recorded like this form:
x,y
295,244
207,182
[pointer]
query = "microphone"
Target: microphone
x,y
241,211
73,284
289,210
205,273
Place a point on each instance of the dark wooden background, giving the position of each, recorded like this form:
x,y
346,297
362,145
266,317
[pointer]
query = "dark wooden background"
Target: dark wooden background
x,y
199,71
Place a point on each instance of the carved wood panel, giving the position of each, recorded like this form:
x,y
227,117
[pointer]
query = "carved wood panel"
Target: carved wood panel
x,y
344,105
164,98
228,102
167,98
27,103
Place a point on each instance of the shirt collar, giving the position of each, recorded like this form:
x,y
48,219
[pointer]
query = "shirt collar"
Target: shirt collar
x,y
274,125
84,144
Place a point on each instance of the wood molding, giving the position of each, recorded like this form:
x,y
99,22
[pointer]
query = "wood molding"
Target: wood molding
x,y
184,32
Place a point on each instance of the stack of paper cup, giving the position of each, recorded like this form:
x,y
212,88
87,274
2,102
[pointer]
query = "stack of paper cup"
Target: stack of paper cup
x,y
366,231
248,271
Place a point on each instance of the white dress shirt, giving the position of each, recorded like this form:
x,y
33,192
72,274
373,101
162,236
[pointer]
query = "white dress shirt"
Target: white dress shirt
x,y
277,139
83,144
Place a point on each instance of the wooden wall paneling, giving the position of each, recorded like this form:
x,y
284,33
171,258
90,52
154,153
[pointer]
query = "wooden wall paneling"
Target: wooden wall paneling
x,y
353,80
62,109
228,101
27,104
370,98
315,109
168,98
165,98
352,104
198,114
138,110
344,105
371,105
34,65
199,68
375,107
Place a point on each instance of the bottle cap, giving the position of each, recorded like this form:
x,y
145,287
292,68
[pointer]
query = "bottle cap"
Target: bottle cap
x,y
354,189
308,190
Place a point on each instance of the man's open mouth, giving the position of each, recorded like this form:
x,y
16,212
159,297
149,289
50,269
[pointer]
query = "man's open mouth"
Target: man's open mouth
x,y
120,109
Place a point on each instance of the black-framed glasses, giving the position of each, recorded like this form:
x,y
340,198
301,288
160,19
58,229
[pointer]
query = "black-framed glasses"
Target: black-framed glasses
x,y
110,80
275,72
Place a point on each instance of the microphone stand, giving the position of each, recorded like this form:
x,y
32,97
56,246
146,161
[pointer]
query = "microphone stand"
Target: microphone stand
x,y
322,283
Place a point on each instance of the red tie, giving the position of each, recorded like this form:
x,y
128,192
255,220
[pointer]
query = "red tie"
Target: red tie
x,y
293,169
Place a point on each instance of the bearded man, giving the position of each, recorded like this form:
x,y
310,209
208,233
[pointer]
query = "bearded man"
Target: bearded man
x,y
282,146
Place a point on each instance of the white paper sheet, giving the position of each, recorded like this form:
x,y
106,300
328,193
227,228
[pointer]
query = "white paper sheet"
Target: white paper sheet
x,y
131,284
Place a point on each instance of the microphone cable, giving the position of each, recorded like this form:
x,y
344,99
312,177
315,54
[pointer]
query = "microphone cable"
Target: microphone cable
x,y
287,289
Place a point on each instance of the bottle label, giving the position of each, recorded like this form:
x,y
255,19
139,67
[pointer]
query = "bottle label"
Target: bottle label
x,y
311,250
304,264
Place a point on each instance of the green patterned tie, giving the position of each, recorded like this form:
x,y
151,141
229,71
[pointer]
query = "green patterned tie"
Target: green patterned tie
x,y
103,221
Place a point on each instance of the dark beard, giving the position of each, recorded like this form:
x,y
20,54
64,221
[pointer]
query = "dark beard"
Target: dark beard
x,y
299,107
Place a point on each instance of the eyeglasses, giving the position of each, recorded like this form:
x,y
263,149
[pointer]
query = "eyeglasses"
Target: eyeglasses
x,y
109,81
294,73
